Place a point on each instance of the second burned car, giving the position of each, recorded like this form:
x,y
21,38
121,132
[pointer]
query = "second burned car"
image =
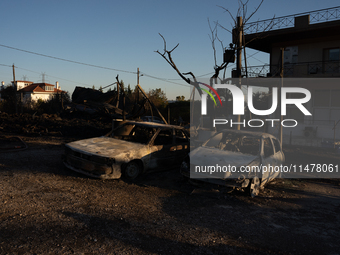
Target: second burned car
x,y
131,149
236,158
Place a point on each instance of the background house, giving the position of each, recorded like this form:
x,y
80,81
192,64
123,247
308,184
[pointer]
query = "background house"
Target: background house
x,y
311,43
34,91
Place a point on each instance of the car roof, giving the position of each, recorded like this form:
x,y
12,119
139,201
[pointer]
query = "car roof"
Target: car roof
x,y
152,124
248,133
156,117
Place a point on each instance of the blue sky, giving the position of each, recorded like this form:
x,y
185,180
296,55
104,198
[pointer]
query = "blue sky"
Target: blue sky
x,y
122,35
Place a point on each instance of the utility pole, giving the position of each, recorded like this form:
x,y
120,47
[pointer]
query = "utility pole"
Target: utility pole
x,y
239,37
239,31
13,74
138,84
280,103
15,89
118,94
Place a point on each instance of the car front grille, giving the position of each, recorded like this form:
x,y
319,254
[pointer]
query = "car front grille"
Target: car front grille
x,y
90,163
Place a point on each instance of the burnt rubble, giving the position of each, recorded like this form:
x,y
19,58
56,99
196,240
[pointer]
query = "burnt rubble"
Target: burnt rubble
x,y
53,125
108,104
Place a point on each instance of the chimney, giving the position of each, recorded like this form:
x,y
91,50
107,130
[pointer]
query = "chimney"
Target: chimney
x,y
2,85
57,85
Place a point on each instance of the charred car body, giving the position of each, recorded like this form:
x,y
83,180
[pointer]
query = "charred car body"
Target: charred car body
x,y
236,158
130,149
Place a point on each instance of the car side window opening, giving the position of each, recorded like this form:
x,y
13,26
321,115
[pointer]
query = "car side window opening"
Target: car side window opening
x,y
250,145
180,136
164,137
122,132
235,142
229,142
277,145
142,134
267,148
214,141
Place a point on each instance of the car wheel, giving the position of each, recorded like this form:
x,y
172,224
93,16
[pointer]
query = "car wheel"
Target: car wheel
x,y
132,170
254,186
185,165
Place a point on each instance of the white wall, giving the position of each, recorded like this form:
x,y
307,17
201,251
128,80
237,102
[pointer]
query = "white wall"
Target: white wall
x,y
36,96
22,84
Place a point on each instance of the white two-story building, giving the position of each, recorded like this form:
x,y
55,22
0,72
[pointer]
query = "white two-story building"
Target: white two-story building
x,y
311,43
34,91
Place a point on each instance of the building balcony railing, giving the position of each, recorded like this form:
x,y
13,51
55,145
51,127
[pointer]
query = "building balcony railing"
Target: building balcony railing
x,y
318,16
306,69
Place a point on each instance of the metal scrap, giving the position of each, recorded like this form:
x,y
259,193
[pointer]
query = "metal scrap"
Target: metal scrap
x,y
9,144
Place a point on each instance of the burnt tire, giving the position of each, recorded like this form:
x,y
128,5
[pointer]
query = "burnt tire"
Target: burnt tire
x,y
184,168
132,170
254,186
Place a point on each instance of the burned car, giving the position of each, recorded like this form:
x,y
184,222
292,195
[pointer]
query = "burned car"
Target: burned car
x,y
236,158
130,149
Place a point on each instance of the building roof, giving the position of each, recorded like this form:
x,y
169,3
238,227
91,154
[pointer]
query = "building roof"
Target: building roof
x,y
264,41
39,87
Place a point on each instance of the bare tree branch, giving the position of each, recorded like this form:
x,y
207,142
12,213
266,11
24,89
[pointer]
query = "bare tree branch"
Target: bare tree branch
x,y
212,39
258,7
221,42
226,28
213,35
226,10
167,56
193,76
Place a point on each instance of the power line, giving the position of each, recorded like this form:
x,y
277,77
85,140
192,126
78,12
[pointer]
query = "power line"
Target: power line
x,y
163,79
147,75
178,79
76,82
67,60
5,65
97,66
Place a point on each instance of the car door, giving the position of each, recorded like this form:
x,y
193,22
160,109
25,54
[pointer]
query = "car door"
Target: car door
x,y
182,146
164,150
269,160
278,155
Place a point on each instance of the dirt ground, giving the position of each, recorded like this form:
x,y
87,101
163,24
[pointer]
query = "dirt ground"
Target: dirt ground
x,y
47,209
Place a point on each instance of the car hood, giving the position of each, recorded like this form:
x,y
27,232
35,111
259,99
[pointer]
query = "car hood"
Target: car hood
x,y
204,156
110,147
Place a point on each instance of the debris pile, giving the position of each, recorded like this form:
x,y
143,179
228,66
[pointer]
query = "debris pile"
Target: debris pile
x,y
53,125
108,104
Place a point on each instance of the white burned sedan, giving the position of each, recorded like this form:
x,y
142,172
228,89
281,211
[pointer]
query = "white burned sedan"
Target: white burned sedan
x,y
236,158
130,149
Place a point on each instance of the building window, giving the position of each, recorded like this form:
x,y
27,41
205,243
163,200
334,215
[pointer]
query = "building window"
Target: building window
x,y
291,55
333,54
290,59
49,88
331,59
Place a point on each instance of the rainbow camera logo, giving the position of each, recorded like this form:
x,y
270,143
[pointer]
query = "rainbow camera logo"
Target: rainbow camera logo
x,y
213,90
